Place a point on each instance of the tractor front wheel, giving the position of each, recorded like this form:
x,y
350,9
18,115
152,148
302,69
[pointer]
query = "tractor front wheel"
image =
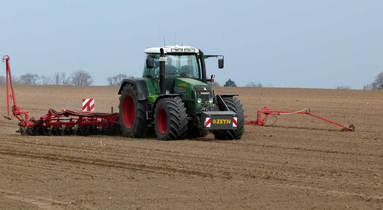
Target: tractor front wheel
x,y
133,121
170,119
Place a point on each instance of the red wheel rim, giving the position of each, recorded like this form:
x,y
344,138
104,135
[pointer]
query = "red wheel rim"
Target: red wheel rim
x,y
162,123
128,111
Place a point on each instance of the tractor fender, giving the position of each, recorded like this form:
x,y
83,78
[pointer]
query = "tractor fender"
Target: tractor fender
x,y
227,95
221,103
139,84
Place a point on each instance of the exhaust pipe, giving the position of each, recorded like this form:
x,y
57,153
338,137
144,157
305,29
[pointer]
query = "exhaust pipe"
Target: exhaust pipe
x,y
203,66
162,72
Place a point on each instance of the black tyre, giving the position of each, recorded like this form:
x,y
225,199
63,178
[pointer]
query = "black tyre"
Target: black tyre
x,y
234,105
68,131
133,121
170,119
31,131
23,130
195,132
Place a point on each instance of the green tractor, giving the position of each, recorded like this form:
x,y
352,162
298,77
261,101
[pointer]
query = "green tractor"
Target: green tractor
x,y
175,98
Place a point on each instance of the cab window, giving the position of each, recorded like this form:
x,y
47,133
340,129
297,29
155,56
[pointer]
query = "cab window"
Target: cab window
x,y
176,66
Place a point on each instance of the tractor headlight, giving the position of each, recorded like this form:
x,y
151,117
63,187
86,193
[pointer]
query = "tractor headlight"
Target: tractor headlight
x,y
199,100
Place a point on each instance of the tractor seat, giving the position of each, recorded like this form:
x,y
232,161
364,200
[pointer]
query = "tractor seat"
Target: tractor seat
x,y
171,71
186,71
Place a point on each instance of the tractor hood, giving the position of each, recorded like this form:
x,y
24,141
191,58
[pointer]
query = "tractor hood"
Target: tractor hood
x,y
189,82
193,89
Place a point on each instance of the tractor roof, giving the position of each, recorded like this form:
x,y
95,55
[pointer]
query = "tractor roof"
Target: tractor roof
x,y
173,49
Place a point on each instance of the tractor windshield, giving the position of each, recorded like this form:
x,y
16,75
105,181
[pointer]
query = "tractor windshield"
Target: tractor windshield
x,y
176,65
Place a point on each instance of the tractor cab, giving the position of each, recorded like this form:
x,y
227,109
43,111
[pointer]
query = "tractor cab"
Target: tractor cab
x,y
183,70
187,66
180,61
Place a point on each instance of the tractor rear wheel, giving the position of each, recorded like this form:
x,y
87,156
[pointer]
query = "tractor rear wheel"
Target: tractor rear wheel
x,y
170,119
133,121
234,105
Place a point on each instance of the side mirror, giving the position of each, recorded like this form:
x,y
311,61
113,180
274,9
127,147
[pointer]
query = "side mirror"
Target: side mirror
x,y
149,62
220,63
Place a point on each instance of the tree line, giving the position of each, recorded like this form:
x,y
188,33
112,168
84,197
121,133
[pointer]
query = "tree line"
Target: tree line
x,y
231,83
77,78
377,84
83,78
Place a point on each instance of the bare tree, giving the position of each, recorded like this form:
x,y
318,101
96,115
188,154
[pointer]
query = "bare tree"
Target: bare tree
x,y
57,78
60,78
44,80
29,79
15,80
116,80
368,87
81,78
2,80
254,84
343,87
377,84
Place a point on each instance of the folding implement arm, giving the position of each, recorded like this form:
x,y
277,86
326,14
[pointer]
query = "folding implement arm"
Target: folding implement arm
x,y
11,98
267,112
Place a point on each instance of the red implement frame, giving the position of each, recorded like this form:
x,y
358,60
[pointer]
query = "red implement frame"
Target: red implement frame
x,y
62,121
11,98
266,112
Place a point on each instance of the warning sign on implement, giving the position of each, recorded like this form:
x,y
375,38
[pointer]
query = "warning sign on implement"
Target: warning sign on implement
x,y
87,104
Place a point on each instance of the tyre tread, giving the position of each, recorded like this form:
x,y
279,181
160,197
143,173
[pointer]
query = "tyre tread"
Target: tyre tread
x,y
139,128
177,127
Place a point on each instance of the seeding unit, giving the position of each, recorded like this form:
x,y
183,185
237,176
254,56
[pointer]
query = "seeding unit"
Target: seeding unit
x,y
65,122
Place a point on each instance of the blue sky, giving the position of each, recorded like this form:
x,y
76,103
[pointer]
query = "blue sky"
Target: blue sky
x,y
295,43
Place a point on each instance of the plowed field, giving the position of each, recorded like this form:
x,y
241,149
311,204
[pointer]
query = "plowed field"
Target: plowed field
x,y
294,162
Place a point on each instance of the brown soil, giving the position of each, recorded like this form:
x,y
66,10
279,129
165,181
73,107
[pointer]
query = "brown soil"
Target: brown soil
x,y
295,162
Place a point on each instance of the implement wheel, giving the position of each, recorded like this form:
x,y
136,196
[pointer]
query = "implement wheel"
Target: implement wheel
x,y
170,119
132,113
234,105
